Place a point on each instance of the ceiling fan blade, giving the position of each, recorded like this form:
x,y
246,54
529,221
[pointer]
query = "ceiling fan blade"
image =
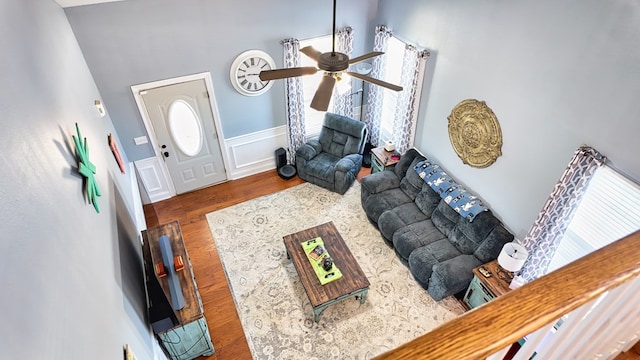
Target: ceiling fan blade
x,y
365,56
375,81
311,52
322,97
286,73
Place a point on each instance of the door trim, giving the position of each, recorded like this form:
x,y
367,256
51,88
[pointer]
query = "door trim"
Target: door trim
x,y
206,76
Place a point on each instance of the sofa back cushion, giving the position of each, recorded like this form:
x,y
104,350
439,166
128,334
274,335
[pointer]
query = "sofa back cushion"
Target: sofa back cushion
x,y
490,248
341,135
405,162
412,183
427,200
467,236
444,218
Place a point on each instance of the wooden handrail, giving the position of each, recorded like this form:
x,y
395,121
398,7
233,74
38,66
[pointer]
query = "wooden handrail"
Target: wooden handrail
x,y
499,323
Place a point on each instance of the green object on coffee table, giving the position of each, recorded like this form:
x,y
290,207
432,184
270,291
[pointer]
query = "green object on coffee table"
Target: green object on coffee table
x,y
324,276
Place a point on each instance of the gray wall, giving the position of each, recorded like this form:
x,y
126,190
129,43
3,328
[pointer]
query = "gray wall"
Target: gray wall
x,y
557,74
72,285
132,42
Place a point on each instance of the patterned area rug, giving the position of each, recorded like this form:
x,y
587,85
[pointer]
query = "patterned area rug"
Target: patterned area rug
x,y
274,309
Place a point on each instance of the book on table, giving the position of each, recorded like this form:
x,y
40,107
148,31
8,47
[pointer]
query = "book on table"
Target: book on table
x,y
316,252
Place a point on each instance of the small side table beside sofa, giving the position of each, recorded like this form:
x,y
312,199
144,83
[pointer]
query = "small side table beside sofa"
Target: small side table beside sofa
x,y
382,160
484,289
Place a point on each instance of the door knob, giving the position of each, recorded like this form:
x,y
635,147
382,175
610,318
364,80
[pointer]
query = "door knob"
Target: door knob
x,y
166,154
164,146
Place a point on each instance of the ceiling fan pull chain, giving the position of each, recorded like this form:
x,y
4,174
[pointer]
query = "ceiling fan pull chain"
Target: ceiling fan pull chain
x,y
333,44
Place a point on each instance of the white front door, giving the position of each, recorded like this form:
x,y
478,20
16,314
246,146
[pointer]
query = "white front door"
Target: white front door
x,y
183,125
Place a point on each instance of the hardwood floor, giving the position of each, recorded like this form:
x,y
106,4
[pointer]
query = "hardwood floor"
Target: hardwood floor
x,y
190,209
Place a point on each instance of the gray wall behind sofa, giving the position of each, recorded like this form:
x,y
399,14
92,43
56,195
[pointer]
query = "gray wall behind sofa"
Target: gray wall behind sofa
x,y
132,42
557,74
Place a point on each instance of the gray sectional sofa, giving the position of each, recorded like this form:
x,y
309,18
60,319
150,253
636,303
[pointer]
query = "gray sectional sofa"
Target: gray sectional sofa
x,y
416,216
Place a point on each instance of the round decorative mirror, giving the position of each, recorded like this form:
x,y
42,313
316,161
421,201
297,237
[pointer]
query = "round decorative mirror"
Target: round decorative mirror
x,y
475,133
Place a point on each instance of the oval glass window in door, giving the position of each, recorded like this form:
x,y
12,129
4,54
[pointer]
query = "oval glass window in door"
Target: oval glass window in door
x,y
185,127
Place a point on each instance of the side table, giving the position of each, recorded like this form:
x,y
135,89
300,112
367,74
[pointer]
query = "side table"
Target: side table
x,y
484,289
382,159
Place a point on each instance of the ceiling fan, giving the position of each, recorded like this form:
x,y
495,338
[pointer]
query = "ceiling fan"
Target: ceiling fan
x,y
334,64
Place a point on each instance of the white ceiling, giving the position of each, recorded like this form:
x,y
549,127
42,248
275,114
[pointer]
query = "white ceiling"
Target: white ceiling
x,y
70,3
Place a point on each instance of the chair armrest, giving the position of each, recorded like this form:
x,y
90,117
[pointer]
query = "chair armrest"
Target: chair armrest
x,y
348,162
452,276
380,181
309,150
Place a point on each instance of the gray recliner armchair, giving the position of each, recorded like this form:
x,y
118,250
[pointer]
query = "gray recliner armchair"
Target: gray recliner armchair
x,y
335,158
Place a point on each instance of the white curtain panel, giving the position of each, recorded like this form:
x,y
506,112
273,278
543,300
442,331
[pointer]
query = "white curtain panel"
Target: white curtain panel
x,y
295,100
406,114
546,232
373,116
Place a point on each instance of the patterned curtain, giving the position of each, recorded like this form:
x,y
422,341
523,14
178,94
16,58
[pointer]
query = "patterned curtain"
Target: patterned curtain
x,y
295,100
343,103
550,225
373,116
406,115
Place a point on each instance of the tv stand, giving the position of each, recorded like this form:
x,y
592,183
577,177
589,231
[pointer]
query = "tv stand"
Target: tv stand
x,y
183,333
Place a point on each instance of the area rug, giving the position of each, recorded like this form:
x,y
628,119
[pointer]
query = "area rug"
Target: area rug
x,y
274,309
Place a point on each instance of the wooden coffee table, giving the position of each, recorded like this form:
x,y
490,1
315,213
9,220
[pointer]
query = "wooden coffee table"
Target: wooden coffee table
x,y
353,282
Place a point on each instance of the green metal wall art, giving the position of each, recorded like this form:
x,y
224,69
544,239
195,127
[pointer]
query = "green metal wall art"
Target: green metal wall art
x,y
86,169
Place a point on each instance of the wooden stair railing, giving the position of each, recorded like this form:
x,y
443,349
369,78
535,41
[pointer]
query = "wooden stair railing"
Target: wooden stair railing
x,y
490,328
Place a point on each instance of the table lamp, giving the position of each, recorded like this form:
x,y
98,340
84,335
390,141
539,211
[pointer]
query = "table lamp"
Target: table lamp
x,y
511,259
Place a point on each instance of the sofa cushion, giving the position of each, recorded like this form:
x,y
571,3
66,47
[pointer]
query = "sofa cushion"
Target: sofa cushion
x,y
467,236
451,276
379,182
322,166
398,217
413,236
376,204
341,135
490,248
427,200
411,183
422,259
405,162
444,218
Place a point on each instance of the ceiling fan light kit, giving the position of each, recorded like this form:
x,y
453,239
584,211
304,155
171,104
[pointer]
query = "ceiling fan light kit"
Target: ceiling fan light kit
x,y
363,68
335,65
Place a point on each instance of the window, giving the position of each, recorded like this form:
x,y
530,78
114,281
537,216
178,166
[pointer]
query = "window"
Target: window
x,y
609,210
313,118
392,73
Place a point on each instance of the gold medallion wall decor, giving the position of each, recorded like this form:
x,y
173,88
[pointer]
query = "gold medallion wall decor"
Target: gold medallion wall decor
x,y
475,133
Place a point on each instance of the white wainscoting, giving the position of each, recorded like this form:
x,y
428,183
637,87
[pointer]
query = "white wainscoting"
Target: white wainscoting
x,y
156,185
254,153
141,222
246,155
